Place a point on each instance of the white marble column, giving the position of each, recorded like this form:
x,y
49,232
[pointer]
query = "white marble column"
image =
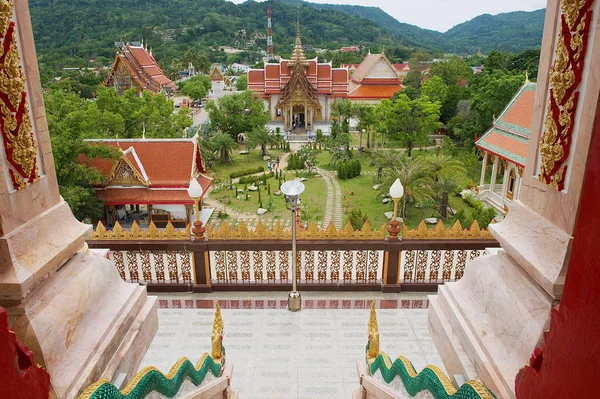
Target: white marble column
x,y
507,167
517,190
495,160
483,170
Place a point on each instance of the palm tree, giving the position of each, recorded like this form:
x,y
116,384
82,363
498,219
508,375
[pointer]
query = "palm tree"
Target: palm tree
x,y
342,112
413,176
366,118
387,159
441,164
224,145
261,136
445,185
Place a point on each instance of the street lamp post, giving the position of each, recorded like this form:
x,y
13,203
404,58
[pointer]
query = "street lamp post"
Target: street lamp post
x,y
396,192
292,190
195,192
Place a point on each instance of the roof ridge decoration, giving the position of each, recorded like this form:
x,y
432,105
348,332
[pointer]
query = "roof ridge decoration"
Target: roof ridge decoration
x,y
298,57
137,160
123,167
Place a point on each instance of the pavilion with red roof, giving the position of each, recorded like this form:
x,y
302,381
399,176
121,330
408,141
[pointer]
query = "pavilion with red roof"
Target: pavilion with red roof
x,y
135,66
505,144
153,173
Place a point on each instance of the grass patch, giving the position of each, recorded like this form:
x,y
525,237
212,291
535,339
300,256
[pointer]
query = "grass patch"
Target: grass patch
x,y
312,204
240,162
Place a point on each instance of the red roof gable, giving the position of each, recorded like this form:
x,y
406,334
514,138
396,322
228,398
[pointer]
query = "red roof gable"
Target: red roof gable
x,y
521,112
165,162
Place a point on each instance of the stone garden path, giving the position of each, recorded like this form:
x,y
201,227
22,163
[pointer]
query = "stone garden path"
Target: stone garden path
x,y
333,206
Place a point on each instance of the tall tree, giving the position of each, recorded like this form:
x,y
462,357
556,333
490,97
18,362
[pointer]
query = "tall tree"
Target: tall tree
x,y
435,89
223,145
366,121
241,83
197,87
410,121
414,179
451,71
76,179
440,164
263,137
237,113
445,185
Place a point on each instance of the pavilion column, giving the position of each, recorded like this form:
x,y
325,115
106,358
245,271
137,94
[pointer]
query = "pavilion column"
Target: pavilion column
x,y
505,182
495,160
483,170
518,178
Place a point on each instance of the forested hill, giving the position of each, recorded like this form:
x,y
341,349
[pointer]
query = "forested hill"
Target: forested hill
x,y
83,29
410,34
514,31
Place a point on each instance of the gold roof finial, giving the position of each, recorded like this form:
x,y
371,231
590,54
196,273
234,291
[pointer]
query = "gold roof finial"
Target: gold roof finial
x,y
373,318
144,130
298,56
526,76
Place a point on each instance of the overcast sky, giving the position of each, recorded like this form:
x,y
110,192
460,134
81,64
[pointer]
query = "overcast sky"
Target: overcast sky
x,y
440,15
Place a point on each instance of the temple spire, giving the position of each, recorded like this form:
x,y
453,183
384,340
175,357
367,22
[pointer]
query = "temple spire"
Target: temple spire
x,y
298,56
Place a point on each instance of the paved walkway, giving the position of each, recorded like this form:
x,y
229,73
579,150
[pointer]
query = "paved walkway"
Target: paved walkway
x,y
333,204
279,354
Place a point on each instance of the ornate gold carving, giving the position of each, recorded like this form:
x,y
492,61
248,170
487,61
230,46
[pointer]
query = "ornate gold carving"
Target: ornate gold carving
x,y
448,264
132,265
409,265
441,232
119,263
152,233
284,265
159,266
271,265
348,264
146,266
322,266
361,266
232,265
565,77
186,266
245,263
220,265
422,256
257,258
20,145
172,266
436,257
373,346
373,265
216,338
335,265
461,262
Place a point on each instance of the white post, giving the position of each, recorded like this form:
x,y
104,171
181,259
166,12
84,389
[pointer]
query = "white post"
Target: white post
x,y
505,184
517,189
483,170
494,173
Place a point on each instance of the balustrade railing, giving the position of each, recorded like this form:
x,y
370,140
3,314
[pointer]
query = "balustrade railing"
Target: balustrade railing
x,y
346,259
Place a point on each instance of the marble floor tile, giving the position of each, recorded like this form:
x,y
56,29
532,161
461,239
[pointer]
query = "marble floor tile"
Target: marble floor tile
x,y
279,354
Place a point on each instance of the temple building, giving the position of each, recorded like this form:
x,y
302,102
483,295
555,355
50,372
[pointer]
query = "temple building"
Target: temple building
x,y
298,92
149,182
504,145
135,66
375,79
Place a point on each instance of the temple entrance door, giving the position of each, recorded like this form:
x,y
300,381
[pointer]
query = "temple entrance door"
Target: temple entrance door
x,y
299,118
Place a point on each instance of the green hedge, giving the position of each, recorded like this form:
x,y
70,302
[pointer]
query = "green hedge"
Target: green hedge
x,y
348,169
255,179
482,214
245,172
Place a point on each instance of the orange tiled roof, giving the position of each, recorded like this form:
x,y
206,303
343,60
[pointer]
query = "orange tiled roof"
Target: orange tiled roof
x,y
374,91
119,196
509,136
165,162
143,68
521,112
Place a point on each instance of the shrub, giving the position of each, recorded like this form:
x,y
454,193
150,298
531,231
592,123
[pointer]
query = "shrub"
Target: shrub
x,y
295,162
349,169
482,214
357,218
245,172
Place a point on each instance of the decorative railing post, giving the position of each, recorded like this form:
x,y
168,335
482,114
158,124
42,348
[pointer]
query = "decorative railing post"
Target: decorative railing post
x,y
392,256
201,266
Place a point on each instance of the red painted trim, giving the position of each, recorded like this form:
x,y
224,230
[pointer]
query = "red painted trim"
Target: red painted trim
x,y
567,364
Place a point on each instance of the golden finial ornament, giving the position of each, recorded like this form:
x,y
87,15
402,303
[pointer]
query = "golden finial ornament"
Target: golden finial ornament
x,y
373,347
217,337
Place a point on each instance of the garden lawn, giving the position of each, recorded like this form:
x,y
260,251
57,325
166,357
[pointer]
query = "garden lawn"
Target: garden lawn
x,y
312,203
240,162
